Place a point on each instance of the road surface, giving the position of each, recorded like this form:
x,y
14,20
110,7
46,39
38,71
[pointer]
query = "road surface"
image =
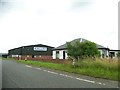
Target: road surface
x,y
17,75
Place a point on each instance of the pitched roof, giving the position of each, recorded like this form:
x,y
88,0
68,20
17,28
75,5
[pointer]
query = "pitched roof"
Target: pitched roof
x,y
32,45
37,45
73,41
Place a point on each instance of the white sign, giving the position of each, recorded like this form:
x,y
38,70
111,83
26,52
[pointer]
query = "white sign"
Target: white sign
x,y
40,48
15,55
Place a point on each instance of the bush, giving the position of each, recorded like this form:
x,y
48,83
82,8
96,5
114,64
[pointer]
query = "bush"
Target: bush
x,y
118,55
80,50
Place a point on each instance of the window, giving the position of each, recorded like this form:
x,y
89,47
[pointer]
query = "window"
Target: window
x,y
57,54
33,56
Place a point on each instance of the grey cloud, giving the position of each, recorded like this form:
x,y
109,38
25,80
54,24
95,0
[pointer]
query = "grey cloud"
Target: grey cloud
x,y
80,4
4,5
8,5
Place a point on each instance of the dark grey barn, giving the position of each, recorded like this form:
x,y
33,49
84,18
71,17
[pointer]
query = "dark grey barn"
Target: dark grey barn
x,y
32,51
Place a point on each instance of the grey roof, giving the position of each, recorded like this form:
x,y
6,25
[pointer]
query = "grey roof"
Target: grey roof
x,y
31,45
37,45
73,41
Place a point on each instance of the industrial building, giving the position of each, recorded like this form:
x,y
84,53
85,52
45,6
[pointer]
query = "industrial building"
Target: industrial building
x,y
31,52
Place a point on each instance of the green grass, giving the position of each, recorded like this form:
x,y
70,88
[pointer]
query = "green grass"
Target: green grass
x,y
97,68
8,58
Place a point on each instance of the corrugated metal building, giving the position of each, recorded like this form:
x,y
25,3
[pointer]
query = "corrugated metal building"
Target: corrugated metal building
x,y
38,51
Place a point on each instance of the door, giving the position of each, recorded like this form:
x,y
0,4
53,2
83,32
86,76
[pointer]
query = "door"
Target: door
x,y
63,54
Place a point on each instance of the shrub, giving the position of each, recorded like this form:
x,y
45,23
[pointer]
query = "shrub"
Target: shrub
x,y
80,50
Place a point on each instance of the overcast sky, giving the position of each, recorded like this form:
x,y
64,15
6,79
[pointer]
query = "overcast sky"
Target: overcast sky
x,y
53,22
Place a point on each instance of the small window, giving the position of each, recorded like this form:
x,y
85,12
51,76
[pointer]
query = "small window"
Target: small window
x,y
33,56
57,54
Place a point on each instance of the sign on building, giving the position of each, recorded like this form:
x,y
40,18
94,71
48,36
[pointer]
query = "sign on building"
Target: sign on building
x,y
40,48
15,55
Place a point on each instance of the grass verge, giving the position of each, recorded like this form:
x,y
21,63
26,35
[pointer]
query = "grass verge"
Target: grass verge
x,y
97,68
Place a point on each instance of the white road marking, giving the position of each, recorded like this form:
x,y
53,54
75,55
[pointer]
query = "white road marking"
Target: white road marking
x,y
99,83
45,70
62,74
52,72
28,66
104,84
68,76
39,68
85,80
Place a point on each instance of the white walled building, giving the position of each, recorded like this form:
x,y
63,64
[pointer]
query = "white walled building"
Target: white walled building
x,y
61,51
60,54
113,53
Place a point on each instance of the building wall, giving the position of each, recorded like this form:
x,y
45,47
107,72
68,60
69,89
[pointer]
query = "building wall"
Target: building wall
x,y
66,55
32,51
36,57
16,51
54,55
102,52
115,53
60,54
29,50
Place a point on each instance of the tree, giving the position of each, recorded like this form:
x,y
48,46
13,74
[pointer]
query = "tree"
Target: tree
x,y
78,50
118,54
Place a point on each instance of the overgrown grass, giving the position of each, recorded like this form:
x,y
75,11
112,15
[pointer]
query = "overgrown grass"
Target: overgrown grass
x,y
97,68
100,68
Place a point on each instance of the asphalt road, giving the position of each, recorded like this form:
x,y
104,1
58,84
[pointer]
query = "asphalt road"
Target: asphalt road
x,y
17,75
